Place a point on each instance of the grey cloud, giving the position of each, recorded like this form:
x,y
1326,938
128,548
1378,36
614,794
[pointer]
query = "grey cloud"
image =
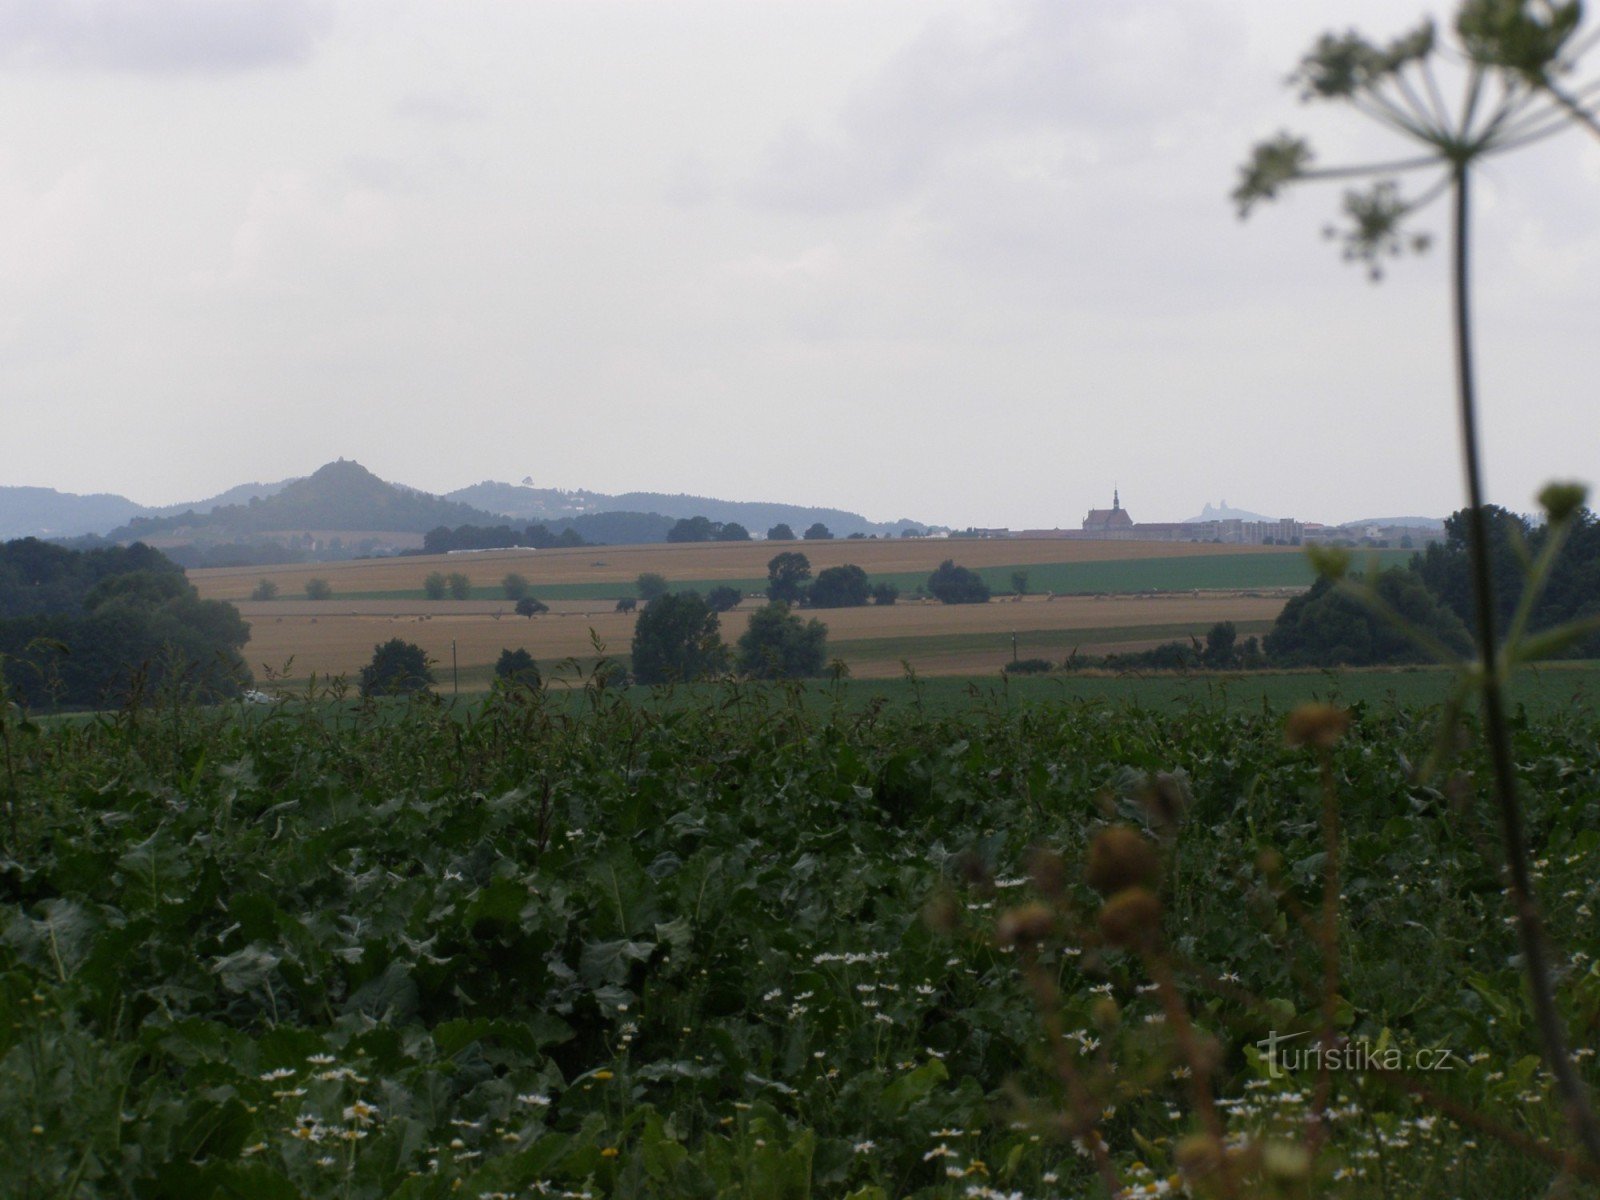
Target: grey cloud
x,y
1106,73
160,36
437,108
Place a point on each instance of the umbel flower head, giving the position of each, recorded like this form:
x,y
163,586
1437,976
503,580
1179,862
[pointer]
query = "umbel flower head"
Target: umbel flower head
x,y
1513,57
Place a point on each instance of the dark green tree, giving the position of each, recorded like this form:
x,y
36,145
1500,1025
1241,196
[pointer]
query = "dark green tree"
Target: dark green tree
x,y
723,598
531,606
787,574
780,533
627,604
818,533
733,532
460,586
677,639
515,586
885,593
1329,627
839,587
264,590
1019,582
517,668
650,585
693,529
91,627
397,668
1221,650
434,586
779,645
951,584
319,589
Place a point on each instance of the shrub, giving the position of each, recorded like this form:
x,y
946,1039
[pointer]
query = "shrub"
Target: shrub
x,y
951,584
434,586
677,639
265,590
529,606
517,668
1029,666
779,645
516,586
627,604
650,585
397,668
839,587
318,589
885,593
460,586
786,577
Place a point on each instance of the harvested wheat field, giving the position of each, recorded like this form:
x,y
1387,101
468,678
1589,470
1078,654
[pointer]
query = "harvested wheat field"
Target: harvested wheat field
x,y
296,638
693,561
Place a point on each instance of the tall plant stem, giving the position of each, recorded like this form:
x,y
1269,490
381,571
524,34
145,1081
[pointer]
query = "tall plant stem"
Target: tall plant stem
x,y
1529,929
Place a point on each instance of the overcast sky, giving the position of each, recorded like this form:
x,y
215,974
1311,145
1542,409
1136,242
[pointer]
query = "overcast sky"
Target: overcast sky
x,y
965,262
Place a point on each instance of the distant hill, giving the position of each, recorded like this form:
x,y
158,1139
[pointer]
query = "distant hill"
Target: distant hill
x,y
239,494
342,495
1222,512
529,503
345,497
47,513
1407,522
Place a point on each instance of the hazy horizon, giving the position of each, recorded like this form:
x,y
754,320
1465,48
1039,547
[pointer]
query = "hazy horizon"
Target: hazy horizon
x,y
965,263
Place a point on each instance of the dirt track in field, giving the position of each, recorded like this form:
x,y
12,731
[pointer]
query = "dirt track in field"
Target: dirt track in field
x,y
337,637
716,560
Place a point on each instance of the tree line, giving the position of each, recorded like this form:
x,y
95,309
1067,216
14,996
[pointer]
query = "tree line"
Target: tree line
x,y
97,627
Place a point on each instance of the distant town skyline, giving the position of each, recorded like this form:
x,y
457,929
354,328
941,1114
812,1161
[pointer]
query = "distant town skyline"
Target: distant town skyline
x,y
971,263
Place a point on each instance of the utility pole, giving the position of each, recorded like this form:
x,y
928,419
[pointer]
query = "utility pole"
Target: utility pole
x,y
455,676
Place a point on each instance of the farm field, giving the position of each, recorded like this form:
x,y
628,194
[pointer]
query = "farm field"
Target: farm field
x,y
609,571
740,943
1543,692
337,636
1092,597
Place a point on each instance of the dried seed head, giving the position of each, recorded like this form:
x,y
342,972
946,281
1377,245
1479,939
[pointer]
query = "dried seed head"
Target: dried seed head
x,y
1027,923
941,913
1048,872
1130,917
1105,1014
1199,1155
1121,857
1561,500
1285,1162
1166,799
1319,725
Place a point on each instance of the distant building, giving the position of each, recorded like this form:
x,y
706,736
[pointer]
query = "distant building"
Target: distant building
x,y
1115,519
1114,524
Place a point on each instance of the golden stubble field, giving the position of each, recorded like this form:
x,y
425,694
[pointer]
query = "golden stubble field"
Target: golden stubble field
x,y
337,637
703,560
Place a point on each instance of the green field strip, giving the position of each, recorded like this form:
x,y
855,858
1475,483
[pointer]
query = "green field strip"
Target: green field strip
x,y
1204,572
1031,643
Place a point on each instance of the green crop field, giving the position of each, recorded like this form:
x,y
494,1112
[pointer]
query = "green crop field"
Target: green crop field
x,y
831,940
1216,571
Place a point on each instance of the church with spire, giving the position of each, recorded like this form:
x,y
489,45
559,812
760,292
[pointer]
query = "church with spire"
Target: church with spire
x,y
1108,520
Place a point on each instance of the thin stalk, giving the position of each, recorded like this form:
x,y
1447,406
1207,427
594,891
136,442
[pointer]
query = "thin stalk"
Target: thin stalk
x,y
1529,929
1576,110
